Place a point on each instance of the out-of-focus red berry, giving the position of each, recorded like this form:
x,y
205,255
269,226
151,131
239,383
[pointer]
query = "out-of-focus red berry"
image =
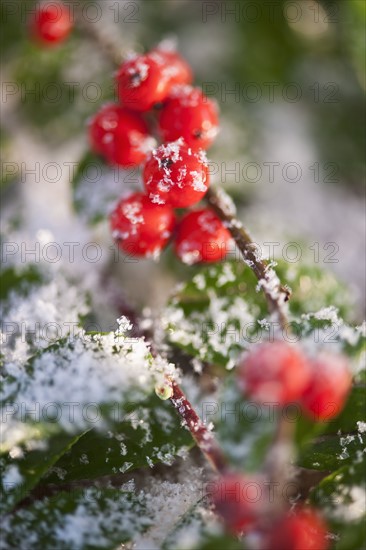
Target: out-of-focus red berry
x,y
303,531
51,24
274,372
239,501
328,386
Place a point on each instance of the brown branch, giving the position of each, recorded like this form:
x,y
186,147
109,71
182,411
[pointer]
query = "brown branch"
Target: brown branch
x,y
199,431
276,294
106,44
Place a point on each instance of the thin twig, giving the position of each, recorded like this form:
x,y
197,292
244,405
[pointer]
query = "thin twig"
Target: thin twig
x,y
276,294
199,431
107,45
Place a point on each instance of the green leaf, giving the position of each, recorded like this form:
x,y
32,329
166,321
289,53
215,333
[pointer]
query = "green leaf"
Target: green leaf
x,y
80,519
147,435
339,442
245,429
353,411
214,315
27,463
341,497
218,314
13,279
329,453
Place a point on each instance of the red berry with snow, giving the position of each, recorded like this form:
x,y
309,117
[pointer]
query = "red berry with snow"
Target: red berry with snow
x,y
121,136
274,372
174,174
174,66
202,237
145,80
189,114
51,23
328,387
239,501
303,531
140,227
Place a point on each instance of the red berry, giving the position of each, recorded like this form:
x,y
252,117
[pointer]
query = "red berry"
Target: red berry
x,y
178,69
239,501
328,387
140,227
120,136
202,237
274,372
176,175
303,531
51,23
145,80
189,114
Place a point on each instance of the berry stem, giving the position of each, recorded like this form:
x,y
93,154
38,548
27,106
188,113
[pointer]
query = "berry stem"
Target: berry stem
x,y
106,44
276,294
199,431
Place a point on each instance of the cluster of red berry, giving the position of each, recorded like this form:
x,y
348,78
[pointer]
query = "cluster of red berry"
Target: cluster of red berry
x,y
51,23
175,174
278,372
246,506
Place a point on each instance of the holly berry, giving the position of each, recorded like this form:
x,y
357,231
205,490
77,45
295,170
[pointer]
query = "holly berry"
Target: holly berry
x,y
201,237
174,174
145,80
51,24
140,227
239,501
120,136
174,64
191,115
274,372
303,531
328,387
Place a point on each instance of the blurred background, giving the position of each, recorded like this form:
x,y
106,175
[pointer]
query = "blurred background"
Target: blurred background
x,y
289,80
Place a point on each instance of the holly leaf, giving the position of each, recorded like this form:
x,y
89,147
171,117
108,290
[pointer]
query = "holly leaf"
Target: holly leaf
x,y
341,497
217,314
81,519
146,435
20,280
25,464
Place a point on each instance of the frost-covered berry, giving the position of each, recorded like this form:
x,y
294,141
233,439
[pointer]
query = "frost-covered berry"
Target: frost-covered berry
x,y
189,114
202,237
145,80
120,136
141,228
51,23
174,174
328,387
303,531
174,66
274,372
239,501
